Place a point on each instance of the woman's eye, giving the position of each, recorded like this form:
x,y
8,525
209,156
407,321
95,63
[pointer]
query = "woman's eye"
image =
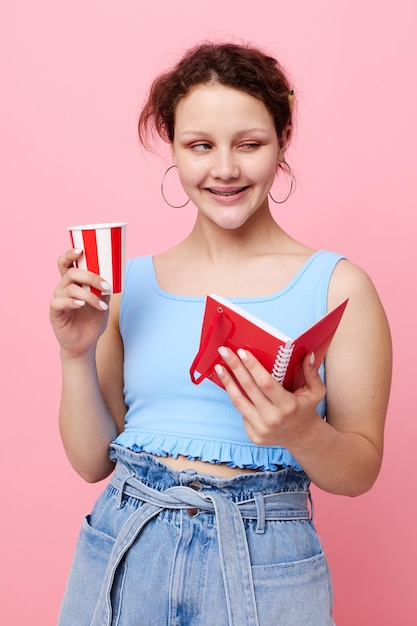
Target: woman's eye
x,y
249,146
201,147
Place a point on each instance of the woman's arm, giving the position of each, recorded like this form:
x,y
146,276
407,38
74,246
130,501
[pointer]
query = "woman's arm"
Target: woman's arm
x,y
358,380
342,454
91,358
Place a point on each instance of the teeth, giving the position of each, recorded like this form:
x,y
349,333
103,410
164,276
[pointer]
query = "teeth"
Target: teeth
x,y
227,193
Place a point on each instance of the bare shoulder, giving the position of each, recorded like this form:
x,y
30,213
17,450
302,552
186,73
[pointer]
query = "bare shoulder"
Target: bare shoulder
x,y
365,316
350,281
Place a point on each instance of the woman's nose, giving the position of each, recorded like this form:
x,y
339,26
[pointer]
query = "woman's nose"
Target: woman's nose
x,y
225,165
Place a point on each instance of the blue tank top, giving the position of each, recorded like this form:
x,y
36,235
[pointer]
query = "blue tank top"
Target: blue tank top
x,y
169,415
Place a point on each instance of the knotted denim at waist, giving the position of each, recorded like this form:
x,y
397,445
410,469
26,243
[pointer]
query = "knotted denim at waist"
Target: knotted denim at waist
x,y
233,547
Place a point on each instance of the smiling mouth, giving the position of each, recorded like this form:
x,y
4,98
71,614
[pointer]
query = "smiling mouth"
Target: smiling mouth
x,y
232,192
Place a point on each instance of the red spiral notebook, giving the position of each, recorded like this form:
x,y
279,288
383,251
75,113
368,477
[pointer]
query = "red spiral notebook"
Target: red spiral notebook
x,y
226,324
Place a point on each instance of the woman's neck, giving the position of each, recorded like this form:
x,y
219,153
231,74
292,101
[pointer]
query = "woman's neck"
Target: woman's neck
x,y
206,240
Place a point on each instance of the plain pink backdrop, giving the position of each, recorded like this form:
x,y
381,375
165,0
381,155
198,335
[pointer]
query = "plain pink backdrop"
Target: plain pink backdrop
x,y
72,78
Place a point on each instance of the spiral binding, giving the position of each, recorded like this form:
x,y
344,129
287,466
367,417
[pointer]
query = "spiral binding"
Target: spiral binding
x,y
281,363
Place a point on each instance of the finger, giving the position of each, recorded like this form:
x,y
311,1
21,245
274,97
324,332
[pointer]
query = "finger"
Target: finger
x,y
68,259
237,394
73,291
85,278
249,373
312,379
59,305
263,383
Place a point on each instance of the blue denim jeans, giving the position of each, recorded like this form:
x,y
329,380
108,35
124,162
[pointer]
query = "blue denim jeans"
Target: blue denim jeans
x,y
180,548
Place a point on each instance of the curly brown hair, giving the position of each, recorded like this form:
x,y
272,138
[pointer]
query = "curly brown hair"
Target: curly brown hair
x,y
242,67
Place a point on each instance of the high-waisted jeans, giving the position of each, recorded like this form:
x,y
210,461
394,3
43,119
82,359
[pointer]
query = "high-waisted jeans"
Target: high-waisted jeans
x,y
179,548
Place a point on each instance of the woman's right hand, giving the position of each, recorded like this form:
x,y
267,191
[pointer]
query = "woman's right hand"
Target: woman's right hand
x,y
77,315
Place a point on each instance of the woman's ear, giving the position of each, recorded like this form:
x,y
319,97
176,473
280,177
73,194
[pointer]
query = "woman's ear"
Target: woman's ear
x,y
284,142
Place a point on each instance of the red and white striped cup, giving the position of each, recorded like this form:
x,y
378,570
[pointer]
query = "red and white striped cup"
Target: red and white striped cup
x,y
104,247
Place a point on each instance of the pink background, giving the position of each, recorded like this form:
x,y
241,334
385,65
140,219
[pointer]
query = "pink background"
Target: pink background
x,y
73,76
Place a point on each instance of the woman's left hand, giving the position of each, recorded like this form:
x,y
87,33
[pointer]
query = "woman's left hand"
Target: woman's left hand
x,y
272,415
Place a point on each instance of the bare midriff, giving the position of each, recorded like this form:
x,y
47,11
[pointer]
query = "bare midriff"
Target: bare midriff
x,y
203,467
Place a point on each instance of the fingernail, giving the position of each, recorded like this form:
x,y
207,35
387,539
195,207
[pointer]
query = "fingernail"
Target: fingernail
x,y
224,352
219,369
243,355
79,302
103,305
105,286
77,250
312,358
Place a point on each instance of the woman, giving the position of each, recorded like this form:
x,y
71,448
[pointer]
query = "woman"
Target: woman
x,y
206,518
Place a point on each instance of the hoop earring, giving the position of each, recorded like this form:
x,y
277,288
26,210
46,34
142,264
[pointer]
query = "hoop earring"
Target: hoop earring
x,y
174,206
292,185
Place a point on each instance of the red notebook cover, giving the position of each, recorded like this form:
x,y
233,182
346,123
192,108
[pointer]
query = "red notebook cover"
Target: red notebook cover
x,y
226,324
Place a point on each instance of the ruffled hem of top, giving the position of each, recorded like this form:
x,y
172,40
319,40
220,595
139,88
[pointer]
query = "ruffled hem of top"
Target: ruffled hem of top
x,y
232,454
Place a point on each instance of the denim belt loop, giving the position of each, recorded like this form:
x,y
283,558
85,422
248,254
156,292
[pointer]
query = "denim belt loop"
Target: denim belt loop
x,y
310,499
260,511
233,547
122,490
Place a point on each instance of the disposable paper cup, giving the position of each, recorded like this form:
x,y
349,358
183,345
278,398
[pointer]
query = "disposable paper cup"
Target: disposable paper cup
x,y
104,247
